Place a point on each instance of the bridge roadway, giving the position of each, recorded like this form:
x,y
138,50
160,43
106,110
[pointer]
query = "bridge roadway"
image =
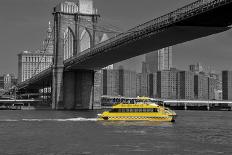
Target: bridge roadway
x,y
198,19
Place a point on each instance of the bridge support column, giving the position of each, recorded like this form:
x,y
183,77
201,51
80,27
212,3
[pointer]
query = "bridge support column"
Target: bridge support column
x,y
57,88
78,89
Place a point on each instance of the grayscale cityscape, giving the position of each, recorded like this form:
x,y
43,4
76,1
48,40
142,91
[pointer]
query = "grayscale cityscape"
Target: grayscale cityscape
x,y
111,77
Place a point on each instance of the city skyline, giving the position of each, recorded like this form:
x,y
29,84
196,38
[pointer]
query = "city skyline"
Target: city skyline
x,y
26,31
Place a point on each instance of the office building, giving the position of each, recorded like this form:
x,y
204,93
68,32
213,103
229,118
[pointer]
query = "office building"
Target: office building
x,y
167,84
142,81
119,82
111,82
201,85
227,85
127,83
48,41
186,85
31,63
159,60
213,92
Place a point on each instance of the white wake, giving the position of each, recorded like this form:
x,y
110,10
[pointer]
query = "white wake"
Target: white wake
x,y
78,119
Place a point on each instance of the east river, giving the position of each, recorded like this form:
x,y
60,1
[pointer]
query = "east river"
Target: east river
x,y
78,132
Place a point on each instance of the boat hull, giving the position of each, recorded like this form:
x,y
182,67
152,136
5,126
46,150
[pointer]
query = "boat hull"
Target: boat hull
x,y
139,118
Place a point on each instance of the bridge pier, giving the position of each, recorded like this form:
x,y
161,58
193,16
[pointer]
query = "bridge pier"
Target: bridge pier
x,y
74,91
57,88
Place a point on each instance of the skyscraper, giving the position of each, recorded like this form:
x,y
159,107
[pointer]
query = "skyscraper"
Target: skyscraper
x,y
186,85
159,60
227,85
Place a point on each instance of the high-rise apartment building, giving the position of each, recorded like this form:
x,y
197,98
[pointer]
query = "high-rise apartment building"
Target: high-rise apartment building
x,y
227,85
31,63
159,60
186,85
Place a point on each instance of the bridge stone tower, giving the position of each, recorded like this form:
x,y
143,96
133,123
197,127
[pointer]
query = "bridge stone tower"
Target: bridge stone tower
x,y
74,32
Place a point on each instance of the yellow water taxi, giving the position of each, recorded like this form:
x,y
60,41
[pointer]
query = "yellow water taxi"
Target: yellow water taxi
x,y
141,111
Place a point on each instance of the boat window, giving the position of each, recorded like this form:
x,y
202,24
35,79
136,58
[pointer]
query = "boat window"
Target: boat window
x,y
155,110
114,110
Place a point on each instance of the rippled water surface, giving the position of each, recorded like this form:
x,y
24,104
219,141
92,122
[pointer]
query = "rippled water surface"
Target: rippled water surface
x,y
78,132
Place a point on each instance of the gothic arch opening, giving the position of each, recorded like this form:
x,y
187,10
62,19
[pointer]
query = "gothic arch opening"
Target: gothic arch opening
x,y
68,43
85,40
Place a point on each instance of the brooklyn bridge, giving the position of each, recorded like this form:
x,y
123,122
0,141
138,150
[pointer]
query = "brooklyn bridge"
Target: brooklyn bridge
x,y
79,51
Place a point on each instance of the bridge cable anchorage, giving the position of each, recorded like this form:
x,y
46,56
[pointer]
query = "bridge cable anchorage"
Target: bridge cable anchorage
x,y
44,50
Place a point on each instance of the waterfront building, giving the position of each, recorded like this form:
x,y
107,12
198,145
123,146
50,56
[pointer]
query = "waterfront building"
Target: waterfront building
x,y
227,85
201,86
167,84
159,60
186,85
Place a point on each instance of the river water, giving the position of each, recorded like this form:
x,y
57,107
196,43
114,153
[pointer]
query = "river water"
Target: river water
x,y
78,132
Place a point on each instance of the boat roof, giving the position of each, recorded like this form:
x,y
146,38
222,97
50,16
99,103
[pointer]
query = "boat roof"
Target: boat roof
x,y
139,105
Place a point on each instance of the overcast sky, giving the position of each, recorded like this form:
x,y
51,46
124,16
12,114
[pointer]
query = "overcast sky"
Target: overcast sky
x,y
23,25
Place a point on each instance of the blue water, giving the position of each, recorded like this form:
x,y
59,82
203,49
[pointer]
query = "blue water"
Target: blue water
x,y
78,132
